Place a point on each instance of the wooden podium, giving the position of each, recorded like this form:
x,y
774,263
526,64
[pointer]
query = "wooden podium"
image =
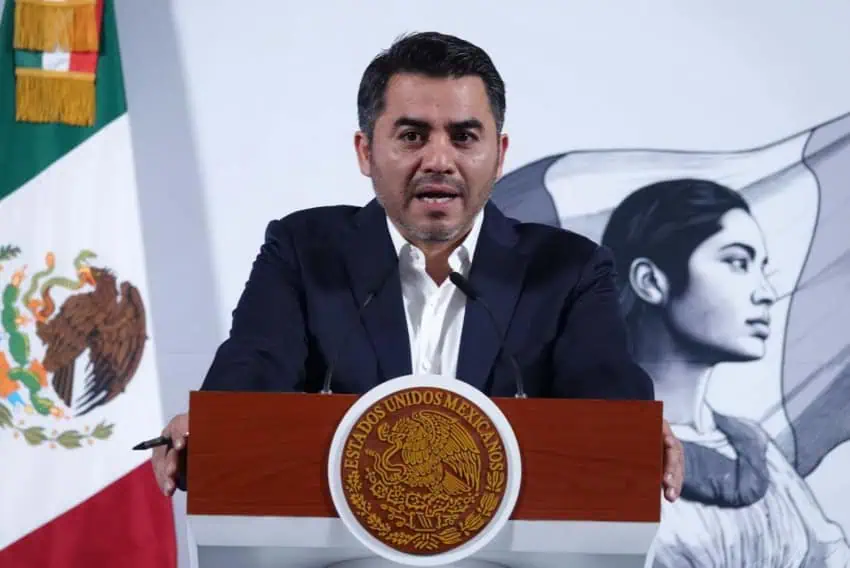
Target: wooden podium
x,y
257,483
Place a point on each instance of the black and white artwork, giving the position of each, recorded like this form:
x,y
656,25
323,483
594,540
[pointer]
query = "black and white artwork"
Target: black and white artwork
x,y
733,272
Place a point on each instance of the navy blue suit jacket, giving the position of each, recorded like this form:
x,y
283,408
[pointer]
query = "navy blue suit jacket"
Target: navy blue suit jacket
x,y
551,289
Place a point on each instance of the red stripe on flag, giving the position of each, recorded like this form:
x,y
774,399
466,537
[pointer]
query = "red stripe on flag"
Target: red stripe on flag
x,y
129,524
86,62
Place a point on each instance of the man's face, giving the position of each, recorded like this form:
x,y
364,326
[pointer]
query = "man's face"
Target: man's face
x,y
434,155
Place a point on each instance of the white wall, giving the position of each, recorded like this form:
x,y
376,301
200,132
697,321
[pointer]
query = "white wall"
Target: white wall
x,y
272,86
245,111
184,301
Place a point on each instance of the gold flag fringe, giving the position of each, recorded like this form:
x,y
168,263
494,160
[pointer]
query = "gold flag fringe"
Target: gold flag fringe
x,y
50,25
55,96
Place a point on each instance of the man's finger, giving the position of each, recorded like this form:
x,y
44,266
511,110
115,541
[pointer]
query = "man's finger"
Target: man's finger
x,y
178,430
673,457
171,464
681,462
158,457
179,441
673,461
169,471
158,466
674,464
174,434
165,459
671,477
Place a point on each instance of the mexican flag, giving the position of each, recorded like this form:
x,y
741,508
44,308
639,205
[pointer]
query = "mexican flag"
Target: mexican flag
x,y
78,373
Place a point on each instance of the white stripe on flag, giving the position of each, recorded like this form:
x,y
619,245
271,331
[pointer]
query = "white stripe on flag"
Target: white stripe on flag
x,y
56,61
85,200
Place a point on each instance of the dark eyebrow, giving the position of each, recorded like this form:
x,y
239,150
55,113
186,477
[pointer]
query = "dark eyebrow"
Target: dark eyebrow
x,y
468,124
407,121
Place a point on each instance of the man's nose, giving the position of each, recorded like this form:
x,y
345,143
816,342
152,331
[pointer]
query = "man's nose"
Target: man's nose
x,y
438,157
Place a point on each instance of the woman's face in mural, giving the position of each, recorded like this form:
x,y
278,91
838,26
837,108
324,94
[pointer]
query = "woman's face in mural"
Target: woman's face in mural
x,y
725,308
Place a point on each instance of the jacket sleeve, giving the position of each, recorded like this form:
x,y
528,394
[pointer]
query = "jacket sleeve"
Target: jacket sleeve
x,y
591,355
267,346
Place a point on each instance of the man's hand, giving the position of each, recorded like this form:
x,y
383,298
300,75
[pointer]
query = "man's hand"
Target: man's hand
x,y
674,465
166,459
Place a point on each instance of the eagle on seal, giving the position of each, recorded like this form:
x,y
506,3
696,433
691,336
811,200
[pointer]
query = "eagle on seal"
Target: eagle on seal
x,y
436,453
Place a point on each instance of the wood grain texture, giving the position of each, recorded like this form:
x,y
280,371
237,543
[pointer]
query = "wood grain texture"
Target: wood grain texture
x,y
266,454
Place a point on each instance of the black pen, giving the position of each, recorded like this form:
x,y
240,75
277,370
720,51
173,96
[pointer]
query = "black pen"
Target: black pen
x,y
148,444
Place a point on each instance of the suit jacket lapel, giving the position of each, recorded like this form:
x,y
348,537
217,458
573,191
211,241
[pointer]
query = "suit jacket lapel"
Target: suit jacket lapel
x,y
369,257
497,274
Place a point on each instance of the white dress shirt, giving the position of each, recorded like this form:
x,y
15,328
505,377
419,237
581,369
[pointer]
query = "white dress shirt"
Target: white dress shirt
x,y
434,313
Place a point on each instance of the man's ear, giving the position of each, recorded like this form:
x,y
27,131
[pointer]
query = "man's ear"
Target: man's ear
x,y
649,282
364,153
504,142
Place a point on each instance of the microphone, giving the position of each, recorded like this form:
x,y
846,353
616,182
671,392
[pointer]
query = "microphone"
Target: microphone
x,y
326,388
466,287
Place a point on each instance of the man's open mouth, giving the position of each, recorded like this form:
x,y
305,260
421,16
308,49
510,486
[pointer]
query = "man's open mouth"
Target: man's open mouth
x,y
437,195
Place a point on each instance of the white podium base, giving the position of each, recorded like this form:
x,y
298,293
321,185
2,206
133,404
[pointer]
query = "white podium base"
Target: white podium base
x,y
310,542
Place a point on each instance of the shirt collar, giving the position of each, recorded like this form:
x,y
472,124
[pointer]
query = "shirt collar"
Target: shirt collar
x,y
461,257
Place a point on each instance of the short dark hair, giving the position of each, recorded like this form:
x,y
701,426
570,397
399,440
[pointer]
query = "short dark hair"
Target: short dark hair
x,y
431,54
665,222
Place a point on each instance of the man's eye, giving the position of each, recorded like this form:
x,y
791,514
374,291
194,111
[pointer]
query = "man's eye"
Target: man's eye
x,y
411,136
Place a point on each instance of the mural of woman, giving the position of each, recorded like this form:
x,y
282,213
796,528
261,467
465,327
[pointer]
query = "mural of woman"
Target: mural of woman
x,y
693,264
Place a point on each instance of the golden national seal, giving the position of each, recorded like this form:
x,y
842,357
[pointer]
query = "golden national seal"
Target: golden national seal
x,y
423,470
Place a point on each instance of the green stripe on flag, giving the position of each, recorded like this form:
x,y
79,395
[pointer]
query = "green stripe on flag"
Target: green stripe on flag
x,y
27,149
30,59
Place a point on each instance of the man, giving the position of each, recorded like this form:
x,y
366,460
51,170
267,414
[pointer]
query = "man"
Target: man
x,y
367,289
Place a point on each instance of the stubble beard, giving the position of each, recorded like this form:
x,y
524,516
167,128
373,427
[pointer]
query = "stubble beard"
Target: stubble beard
x,y
436,235
429,235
